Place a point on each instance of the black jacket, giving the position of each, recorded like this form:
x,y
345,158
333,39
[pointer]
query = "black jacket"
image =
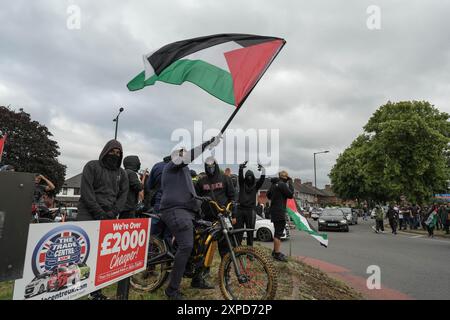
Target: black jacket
x,y
392,214
103,190
219,187
278,193
132,166
248,191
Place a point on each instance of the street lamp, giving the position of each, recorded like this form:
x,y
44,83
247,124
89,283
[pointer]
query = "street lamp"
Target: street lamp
x,y
116,120
315,179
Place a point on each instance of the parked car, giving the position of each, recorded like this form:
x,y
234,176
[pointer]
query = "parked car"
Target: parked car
x,y
264,230
350,215
63,276
37,286
333,219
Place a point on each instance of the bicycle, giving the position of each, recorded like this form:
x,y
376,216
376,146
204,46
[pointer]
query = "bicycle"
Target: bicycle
x,y
244,272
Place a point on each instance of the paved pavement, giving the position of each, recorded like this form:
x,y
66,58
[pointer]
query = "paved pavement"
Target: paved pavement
x,y
412,266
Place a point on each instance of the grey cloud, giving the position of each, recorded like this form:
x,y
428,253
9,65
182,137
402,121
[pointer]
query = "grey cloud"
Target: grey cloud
x,y
325,84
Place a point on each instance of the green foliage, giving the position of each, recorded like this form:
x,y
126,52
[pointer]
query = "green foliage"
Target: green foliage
x,y
29,147
403,151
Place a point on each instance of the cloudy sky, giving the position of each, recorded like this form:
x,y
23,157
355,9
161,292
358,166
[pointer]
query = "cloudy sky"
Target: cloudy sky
x,y
333,73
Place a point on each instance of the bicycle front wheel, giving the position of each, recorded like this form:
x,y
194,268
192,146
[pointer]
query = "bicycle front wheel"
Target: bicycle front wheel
x,y
259,279
154,276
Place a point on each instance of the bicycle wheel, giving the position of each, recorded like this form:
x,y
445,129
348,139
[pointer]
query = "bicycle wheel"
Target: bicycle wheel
x,y
256,268
154,276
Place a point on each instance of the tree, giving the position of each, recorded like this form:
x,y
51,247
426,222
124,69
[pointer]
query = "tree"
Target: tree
x,y
348,177
404,152
29,147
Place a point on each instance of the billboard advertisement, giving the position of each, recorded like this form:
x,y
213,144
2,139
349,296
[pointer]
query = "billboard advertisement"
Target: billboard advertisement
x,y
65,261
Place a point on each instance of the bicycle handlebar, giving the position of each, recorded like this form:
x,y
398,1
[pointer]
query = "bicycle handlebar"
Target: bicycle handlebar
x,y
220,208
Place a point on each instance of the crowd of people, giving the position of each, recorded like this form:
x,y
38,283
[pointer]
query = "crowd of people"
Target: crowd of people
x,y
414,217
180,196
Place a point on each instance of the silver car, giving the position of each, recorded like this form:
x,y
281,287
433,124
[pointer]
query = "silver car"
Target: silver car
x,y
350,215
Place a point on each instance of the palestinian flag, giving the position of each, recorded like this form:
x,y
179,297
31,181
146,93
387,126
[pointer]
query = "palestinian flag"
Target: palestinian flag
x,y
302,224
228,66
2,144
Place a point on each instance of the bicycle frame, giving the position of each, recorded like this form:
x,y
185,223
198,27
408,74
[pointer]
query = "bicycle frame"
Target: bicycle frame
x,y
209,244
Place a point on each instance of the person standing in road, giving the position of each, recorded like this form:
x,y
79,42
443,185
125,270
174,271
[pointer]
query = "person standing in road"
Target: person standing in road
x,y
281,189
442,216
432,221
392,217
447,219
104,190
379,219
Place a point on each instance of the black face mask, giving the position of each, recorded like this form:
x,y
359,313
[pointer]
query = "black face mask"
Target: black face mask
x,y
111,161
249,180
210,169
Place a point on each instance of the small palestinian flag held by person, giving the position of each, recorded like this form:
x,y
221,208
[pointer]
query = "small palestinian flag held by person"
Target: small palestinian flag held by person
x,y
2,144
228,66
302,224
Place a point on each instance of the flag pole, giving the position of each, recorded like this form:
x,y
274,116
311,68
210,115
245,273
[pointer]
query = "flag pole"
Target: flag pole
x,y
230,119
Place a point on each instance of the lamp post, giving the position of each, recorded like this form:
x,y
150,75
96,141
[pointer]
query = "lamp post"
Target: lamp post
x,y
315,179
116,120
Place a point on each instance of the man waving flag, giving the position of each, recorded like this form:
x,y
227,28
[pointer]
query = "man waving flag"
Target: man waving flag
x,y
228,66
302,224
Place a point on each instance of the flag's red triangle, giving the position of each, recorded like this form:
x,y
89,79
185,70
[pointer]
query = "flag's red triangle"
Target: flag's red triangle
x,y
248,64
290,203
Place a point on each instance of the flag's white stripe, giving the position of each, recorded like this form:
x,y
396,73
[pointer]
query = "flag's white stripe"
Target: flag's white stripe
x,y
311,231
213,55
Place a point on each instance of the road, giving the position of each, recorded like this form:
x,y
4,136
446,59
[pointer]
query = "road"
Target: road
x,y
412,267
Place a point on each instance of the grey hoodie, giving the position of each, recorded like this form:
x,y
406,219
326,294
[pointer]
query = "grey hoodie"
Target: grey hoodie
x,y
103,190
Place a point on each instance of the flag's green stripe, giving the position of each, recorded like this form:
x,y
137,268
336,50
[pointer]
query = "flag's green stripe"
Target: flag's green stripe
x,y
210,78
301,226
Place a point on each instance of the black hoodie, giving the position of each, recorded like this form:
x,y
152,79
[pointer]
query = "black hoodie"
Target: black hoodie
x,y
103,190
132,166
278,193
217,186
248,191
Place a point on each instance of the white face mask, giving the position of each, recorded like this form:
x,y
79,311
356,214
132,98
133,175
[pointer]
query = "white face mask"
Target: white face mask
x,y
179,156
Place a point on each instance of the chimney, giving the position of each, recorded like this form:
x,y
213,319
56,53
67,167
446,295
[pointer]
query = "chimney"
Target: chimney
x,y
297,181
308,183
328,187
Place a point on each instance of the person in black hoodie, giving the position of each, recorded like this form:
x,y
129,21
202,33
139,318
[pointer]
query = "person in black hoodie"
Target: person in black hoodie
x,y
280,190
179,204
216,185
104,190
220,188
132,165
248,188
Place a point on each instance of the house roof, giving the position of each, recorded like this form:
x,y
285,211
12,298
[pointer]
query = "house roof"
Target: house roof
x,y
74,182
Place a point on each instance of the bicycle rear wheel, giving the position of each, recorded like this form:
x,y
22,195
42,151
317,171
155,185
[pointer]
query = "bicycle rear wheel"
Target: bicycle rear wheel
x,y
258,271
155,275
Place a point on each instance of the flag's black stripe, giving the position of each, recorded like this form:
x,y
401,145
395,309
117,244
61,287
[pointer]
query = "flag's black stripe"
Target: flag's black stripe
x,y
168,54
